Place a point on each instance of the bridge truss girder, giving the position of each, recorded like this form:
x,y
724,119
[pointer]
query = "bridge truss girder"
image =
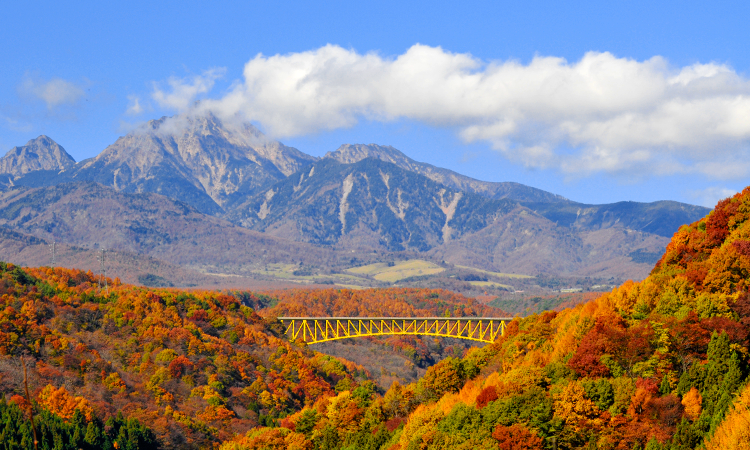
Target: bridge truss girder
x,y
313,330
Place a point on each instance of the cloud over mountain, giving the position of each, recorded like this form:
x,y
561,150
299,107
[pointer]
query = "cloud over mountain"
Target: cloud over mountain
x,y
53,92
182,91
601,113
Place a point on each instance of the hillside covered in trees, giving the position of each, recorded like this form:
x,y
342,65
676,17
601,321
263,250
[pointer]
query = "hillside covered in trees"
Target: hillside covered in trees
x,y
197,367
659,364
656,365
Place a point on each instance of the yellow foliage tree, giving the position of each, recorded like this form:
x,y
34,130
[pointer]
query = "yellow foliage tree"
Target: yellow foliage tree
x,y
60,402
574,408
114,383
692,402
422,421
734,431
269,439
343,413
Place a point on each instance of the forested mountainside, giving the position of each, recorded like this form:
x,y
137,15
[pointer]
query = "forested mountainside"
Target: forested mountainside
x,y
400,302
195,367
656,365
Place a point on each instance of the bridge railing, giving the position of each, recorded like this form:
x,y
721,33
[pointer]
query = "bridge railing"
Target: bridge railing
x,y
313,330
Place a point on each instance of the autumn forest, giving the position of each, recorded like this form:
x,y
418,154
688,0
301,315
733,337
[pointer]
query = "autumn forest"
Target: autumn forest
x,y
659,364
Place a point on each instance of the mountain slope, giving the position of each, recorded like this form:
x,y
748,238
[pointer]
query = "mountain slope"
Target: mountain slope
x,y
41,153
131,268
369,202
359,198
196,367
378,205
523,242
662,218
352,153
656,364
195,159
93,216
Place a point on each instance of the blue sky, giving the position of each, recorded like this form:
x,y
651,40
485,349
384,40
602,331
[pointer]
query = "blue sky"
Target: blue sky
x,y
603,101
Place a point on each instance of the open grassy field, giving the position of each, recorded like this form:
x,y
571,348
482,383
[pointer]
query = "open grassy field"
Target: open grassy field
x,y
496,274
286,272
398,271
489,284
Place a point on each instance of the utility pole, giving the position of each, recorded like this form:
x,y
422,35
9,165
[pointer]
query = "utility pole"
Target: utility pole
x,y
103,271
52,249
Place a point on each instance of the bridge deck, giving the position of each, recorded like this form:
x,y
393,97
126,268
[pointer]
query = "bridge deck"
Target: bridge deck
x,y
313,330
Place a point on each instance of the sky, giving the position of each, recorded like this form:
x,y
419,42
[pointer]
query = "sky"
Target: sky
x,y
599,101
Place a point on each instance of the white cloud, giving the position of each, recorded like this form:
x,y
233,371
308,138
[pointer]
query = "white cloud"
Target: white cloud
x,y
599,114
709,197
134,105
54,92
17,125
183,91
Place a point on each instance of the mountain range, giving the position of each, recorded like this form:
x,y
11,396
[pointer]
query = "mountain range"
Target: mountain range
x,y
205,193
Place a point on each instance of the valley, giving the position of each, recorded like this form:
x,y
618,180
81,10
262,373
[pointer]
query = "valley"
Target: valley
x,y
145,284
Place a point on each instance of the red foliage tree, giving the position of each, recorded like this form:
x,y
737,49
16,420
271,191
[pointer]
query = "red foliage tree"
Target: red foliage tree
x,y
179,366
488,394
717,224
517,437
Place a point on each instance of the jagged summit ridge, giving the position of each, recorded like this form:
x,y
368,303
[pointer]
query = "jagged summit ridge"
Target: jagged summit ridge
x,y
193,132
198,159
353,153
41,153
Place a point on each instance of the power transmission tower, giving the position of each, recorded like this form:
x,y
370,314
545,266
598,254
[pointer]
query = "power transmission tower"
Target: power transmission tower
x,y
52,249
103,271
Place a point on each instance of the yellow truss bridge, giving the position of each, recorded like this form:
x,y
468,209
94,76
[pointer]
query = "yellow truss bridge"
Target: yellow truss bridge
x,y
313,330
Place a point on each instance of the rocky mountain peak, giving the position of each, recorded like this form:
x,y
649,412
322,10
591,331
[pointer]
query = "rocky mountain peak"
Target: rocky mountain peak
x,y
197,158
187,126
205,137
353,153
41,153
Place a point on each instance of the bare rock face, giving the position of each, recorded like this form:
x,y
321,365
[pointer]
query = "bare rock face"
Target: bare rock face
x,y
352,153
41,153
195,159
